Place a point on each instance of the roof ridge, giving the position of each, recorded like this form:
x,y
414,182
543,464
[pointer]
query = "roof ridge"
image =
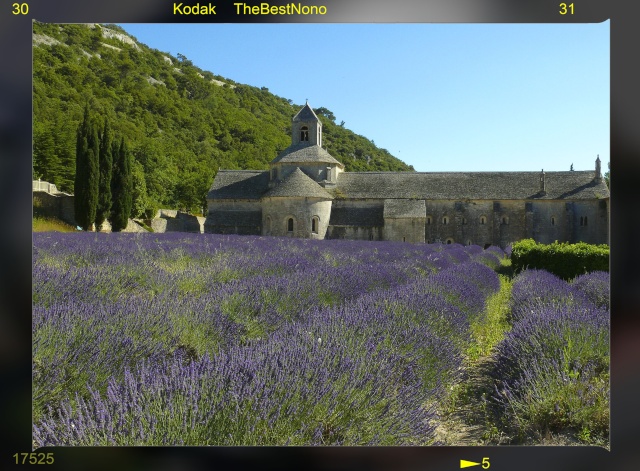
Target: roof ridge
x,y
303,114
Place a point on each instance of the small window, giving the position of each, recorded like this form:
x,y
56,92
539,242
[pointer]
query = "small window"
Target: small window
x,y
449,241
464,221
505,220
445,220
404,239
585,220
290,225
553,220
468,242
314,224
483,220
428,220
268,224
304,133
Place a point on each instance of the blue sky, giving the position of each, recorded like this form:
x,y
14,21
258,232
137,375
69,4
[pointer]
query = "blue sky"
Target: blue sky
x,y
441,97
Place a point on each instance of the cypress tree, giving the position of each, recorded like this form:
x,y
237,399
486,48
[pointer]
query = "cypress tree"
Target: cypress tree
x,y
121,188
87,172
106,169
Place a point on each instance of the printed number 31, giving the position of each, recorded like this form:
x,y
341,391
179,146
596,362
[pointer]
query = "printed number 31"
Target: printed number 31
x,y
564,9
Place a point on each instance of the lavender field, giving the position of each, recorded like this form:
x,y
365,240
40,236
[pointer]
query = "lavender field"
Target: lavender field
x,y
178,339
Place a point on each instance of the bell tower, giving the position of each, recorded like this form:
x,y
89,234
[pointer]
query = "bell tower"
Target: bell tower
x,y
307,128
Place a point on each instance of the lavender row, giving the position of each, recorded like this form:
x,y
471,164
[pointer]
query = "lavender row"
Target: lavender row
x,y
410,334
551,371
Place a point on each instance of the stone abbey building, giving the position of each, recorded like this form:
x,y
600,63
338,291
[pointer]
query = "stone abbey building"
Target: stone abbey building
x,y
306,193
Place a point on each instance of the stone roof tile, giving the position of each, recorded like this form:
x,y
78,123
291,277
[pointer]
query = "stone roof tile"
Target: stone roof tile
x,y
403,208
572,185
239,184
305,153
305,114
576,185
297,184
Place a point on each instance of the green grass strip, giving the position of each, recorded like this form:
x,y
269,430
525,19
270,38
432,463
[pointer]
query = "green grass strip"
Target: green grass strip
x,y
488,330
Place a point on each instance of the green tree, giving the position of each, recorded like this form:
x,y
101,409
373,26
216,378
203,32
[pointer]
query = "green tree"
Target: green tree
x,y
87,172
46,162
322,111
121,188
106,168
139,195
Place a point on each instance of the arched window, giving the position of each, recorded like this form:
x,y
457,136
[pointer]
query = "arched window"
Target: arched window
x,y
468,242
268,224
505,220
445,220
483,220
304,134
553,220
290,225
428,220
449,240
314,224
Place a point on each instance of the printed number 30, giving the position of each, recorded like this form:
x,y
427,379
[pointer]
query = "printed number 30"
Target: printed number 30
x,y
20,8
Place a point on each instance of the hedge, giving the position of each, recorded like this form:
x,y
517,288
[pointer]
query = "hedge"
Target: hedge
x,y
562,259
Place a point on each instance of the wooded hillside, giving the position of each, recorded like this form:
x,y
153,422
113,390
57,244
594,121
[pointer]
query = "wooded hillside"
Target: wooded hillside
x,y
182,123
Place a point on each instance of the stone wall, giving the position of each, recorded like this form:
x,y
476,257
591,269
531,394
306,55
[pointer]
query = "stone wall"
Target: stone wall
x,y
276,213
171,220
57,205
355,232
503,222
404,230
234,217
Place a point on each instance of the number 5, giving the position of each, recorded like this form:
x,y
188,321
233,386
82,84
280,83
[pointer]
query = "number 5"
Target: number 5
x,y
485,463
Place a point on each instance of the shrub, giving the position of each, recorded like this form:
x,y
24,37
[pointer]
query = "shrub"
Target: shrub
x,y
562,259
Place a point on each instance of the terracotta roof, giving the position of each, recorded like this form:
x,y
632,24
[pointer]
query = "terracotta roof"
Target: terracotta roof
x,y
305,153
298,184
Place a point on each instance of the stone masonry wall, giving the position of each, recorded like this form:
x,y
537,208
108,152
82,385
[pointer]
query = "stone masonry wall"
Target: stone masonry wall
x,y
277,211
404,229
